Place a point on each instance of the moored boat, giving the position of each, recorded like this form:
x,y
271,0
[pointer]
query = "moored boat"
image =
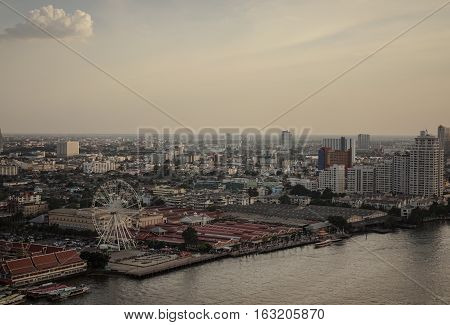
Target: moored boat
x,y
324,243
41,292
69,292
13,299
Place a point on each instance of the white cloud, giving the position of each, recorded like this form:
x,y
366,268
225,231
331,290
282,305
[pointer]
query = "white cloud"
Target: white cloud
x,y
55,21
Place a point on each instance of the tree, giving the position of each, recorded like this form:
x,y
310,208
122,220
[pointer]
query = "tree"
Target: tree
x,y
190,236
284,199
339,222
95,260
417,216
252,192
327,194
299,190
390,222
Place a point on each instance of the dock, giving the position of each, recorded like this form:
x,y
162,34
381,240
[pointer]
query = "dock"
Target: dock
x,y
141,271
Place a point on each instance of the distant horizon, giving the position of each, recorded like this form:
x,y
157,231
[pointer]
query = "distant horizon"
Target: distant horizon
x,y
6,134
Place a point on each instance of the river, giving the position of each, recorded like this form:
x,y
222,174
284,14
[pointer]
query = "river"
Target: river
x,y
405,267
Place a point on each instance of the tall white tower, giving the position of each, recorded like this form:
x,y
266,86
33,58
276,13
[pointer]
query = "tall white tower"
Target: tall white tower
x,y
426,177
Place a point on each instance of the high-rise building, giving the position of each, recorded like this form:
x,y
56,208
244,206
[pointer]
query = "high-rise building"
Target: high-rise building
x,y
333,178
444,139
383,176
67,149
323,160
1,142
363,141
341,144
328,157
286,139
361,179
426,176
400,172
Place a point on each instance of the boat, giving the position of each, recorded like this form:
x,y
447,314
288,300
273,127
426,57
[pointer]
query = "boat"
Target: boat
x,y
336,240
323,243
44,291
69,292
13,299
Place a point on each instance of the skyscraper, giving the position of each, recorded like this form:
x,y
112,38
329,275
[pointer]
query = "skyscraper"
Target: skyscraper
x,y
444,139
286,139
361,179
1,142
400,172
383,176
426,177
363,141
341,144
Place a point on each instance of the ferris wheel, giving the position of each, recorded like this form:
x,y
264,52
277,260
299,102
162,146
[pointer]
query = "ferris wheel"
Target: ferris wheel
x,y
117,222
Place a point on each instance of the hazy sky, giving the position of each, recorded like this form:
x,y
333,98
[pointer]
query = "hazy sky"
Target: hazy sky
x,y
226,63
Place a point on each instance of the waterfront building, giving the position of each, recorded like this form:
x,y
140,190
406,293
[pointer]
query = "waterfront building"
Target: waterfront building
x,y
426,177
360,179
40,268
67,149
363,141
400,172
333,178
383,176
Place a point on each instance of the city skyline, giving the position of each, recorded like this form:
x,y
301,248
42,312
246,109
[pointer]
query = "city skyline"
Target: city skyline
x,y
213,64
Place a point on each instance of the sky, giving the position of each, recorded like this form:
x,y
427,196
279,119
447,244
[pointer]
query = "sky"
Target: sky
x,y
229,63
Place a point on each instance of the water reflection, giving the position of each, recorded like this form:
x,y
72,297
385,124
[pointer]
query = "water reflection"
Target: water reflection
x,y
340,274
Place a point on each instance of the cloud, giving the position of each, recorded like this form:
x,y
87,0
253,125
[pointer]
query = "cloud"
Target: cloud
x,y
55,21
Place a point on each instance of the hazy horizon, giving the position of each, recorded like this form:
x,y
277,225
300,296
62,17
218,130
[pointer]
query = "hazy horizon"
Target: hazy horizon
x,y
225,63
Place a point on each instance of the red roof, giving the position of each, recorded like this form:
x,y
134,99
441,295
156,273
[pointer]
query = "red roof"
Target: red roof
x,y
68,257
53,249
47,261
20,266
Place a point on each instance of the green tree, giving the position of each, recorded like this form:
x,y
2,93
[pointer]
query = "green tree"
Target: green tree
x,y
339,222
95,260
284,199
390,222
252,192
190,236
327,194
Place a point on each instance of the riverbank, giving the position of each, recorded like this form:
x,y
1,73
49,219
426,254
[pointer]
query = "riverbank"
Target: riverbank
x,y
337,274
135,266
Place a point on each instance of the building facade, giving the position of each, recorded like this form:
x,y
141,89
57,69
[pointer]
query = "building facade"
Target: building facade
x,y
383,176
333,178
363,141
361,180
67,149
426,177
444,139
400,172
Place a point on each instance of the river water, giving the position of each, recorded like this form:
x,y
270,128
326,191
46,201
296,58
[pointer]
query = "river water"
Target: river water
x,y
406,267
